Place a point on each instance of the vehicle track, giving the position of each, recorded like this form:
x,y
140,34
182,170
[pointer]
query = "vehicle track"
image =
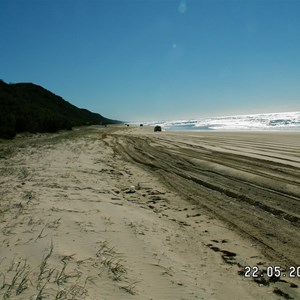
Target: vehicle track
x,y
256,194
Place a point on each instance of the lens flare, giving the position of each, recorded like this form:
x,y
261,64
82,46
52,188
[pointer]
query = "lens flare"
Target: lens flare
x,y
182,7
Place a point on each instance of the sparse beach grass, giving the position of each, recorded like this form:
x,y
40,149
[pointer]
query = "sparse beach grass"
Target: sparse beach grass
x,y
71,226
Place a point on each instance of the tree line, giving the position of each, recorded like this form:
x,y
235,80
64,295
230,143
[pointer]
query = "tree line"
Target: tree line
x,y
26,107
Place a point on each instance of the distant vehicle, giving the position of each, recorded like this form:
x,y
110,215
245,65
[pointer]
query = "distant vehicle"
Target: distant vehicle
x,y
157,128
141,125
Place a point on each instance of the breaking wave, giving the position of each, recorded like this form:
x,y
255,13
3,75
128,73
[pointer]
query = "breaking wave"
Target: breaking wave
x,y
270,121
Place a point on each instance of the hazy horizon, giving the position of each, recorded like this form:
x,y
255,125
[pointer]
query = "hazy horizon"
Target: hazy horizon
x,y
213,116
157,60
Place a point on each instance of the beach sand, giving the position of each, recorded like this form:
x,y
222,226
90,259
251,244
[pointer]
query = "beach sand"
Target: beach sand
x,y
125,213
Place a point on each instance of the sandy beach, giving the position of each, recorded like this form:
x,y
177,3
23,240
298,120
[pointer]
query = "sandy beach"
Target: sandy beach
x,y
126,213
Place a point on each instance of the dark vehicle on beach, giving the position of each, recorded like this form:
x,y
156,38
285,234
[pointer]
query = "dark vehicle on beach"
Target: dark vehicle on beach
x,y
157,128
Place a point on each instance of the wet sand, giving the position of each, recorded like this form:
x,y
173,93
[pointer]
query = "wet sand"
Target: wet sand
x,y
204,206
251,180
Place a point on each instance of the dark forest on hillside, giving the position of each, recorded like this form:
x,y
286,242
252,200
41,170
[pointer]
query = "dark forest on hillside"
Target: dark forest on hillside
x,y
26,107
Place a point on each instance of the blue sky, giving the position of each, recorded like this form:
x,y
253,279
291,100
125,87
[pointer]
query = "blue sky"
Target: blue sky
x,y
157,59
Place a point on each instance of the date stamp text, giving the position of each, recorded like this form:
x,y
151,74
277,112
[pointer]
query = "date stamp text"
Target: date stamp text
x,y
271,272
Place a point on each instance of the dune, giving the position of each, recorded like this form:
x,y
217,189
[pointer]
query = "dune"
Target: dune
x,y
126,213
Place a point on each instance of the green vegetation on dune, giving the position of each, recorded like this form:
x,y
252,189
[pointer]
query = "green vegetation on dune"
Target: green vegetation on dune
x,y
26,107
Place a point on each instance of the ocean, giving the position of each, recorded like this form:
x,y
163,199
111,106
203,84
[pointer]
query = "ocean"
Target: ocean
x,y
269,121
